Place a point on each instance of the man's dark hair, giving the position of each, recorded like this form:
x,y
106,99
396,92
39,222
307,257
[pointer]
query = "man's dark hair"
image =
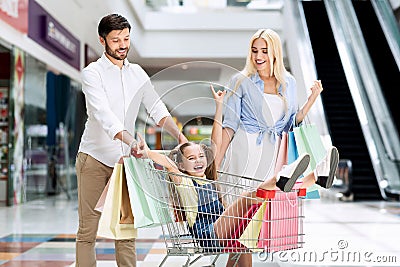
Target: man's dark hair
x,y
112,22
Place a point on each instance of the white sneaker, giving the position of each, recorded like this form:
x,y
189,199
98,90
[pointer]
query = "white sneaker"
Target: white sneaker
x,y
326,168
288,175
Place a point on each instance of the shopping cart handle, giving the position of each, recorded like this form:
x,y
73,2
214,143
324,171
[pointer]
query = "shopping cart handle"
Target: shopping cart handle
x,y
262,193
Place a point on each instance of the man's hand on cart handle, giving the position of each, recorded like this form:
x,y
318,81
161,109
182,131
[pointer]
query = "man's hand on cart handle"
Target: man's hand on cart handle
x,y
142,147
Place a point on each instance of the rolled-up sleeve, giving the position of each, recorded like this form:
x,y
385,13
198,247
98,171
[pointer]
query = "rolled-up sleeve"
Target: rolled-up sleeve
x,y
293,108
97,102
233,108
153,104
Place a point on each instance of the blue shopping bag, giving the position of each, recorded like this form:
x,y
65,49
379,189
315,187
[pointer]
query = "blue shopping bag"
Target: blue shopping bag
x,y
292,149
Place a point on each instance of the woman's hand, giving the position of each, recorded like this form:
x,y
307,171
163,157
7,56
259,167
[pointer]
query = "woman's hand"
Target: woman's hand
x,y
316,90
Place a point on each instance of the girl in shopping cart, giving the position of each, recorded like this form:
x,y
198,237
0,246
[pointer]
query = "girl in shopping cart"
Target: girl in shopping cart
x,y
192,169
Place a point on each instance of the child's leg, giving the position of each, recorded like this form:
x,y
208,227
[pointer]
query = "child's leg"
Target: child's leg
x,y
308,180
325,170
226,225
245,260
287,176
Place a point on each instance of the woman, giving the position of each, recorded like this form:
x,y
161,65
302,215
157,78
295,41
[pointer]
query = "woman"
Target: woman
x,y
262,103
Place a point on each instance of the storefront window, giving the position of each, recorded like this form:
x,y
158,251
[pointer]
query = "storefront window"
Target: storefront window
x,y
54,119
5,72
36,157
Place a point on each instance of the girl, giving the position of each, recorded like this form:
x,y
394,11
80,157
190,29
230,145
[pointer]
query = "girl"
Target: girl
x,y
209,221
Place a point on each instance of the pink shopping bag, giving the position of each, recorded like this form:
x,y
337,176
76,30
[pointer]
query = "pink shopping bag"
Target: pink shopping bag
x,y
280,226
100,203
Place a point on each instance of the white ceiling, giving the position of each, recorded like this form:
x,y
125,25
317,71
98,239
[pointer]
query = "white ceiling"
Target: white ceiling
x,y
162,42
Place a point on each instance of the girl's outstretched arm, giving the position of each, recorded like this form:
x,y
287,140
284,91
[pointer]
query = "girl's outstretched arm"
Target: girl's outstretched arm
x,y
158,158
216,134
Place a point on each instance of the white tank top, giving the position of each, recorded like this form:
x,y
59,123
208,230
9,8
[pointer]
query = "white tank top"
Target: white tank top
x,y
276,106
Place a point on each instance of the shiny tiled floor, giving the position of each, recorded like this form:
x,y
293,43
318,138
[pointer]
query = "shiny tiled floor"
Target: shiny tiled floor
x,y
41,233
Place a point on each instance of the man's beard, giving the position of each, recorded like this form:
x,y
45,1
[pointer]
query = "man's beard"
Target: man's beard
x,y
114,55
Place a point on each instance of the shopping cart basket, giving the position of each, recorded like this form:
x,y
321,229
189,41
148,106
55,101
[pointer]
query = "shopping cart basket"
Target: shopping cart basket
x,y
267,220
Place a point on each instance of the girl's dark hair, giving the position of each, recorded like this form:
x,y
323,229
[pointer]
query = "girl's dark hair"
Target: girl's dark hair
x,y
176,155
112,22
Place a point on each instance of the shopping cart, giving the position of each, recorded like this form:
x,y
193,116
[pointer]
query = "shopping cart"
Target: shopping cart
x,y
269,221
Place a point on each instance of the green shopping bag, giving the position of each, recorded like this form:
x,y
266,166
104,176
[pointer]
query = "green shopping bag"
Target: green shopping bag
x,y
149,206
308,140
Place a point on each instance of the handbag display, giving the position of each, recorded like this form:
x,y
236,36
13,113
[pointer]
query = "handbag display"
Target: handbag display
x,y
112,206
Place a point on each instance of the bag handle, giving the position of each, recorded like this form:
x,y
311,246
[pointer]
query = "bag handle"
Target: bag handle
x,y
291,203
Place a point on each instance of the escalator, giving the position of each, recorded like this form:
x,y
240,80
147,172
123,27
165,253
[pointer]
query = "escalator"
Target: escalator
x,y
341,115
382,58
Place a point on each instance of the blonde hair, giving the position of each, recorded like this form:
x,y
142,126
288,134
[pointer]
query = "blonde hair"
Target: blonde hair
x,y
275,56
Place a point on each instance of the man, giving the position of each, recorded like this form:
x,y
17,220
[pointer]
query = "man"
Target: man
x,y
114,90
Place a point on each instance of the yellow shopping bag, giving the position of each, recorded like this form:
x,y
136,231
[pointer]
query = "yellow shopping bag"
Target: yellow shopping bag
x,y
116,205
249,237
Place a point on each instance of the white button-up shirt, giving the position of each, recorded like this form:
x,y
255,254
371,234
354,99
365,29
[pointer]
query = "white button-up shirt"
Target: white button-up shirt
x,y
113,97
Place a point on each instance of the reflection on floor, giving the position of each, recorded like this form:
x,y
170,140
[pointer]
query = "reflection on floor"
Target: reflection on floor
x,y
59,249
42,233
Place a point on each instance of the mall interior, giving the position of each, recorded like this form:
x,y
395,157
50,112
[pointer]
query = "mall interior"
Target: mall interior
x,y
183,45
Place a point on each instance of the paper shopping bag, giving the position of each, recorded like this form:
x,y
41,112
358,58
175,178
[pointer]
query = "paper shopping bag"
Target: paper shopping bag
x,y
280,226
292,149
312,191
308,140
315,147
233,245
282,156
100,203
149,199
109,223
249,237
